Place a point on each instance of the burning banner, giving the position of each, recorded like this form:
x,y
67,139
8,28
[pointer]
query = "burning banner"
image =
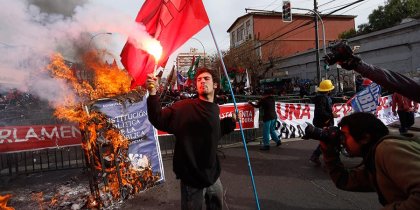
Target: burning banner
x,y
121,149
131,120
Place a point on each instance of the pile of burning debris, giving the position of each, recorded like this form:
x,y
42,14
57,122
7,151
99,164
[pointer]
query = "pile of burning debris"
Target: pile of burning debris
x,y
111,175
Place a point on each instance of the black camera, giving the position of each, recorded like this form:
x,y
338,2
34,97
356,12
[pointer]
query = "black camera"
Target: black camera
x,y
329,135
340,51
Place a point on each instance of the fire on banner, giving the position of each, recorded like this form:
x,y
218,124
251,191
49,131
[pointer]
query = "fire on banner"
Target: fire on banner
x,y
131,120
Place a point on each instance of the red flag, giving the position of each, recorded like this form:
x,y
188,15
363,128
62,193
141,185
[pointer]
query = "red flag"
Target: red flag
x,y
172,22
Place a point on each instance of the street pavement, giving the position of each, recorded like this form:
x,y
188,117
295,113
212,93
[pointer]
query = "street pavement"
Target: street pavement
x,y
284,179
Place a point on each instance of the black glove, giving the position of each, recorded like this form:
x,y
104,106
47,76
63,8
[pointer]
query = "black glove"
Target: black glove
x,y
342,54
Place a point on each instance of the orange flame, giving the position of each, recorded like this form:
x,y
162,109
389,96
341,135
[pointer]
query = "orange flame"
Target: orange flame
x,y
3,202
103,81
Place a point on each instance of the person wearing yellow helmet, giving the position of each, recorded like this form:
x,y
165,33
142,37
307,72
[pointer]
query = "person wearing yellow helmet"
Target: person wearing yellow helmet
x,y
323,114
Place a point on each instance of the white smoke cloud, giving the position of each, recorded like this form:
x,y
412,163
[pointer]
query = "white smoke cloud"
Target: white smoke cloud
x,y
32,31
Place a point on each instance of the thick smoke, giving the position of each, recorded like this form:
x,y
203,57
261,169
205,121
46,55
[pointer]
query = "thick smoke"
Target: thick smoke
x,y
31,31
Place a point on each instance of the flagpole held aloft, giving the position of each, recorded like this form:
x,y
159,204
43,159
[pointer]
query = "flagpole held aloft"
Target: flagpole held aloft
x,y
237,114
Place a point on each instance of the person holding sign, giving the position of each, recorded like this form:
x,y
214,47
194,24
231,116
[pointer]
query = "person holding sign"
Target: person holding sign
x,y
197,129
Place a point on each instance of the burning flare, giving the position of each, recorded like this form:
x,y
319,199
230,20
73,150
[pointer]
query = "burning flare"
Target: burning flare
x,y
154,48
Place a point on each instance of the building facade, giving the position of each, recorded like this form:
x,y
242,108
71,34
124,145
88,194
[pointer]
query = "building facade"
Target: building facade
x,y
184,60
277,39
396,48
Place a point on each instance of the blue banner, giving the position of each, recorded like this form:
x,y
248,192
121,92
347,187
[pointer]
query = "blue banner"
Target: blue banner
x,y
132,121
367,100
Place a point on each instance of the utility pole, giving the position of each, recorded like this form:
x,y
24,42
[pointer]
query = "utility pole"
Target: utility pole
x,y
318,70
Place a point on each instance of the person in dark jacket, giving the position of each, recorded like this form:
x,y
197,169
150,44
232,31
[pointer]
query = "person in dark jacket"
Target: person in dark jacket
x,y
323,114
405,109
267,104
342,54
197,129
390,162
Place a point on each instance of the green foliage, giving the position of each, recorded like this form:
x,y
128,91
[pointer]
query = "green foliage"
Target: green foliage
x,y
390,15
347,34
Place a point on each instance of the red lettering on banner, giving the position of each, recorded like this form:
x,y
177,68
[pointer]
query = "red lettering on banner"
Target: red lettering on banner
x,y
306,112
293,111
21,138
344,108
383,103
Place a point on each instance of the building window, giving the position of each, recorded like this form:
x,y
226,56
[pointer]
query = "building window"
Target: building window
x,y
248,29
233,40
240,33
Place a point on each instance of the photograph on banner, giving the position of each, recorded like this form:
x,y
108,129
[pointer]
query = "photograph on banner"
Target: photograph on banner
x,y
35,137
132,121
249,114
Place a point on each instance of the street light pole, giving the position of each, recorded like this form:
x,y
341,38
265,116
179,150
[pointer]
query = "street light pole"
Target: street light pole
x,y
323,40
204,50
318,70
92,37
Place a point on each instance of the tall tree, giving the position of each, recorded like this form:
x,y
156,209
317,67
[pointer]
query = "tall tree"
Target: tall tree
x,y
390,15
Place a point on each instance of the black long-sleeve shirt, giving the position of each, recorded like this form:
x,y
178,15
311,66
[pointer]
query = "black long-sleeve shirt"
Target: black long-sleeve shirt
x,y
323,115
392,81
267,104
197,129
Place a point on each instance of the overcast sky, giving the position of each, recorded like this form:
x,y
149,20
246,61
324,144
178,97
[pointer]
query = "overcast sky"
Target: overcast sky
x,y
32,30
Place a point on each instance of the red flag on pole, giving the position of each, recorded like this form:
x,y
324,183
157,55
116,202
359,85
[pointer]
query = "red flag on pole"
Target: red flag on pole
x,y
172,22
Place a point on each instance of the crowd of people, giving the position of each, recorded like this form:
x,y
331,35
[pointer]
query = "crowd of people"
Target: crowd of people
x,y
390,164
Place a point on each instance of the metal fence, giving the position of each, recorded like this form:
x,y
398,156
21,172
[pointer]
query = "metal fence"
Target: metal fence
x,y
73,157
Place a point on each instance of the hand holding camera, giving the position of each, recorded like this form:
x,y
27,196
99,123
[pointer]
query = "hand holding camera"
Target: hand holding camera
x,y
342,54
331,136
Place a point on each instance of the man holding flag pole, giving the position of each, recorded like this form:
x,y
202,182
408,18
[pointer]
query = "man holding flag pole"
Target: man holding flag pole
x,y
173,23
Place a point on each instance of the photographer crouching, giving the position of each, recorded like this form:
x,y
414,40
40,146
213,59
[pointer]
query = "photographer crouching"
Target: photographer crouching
x,y
391,164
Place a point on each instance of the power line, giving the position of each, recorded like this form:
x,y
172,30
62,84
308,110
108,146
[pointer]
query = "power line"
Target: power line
x,y
326,3
338,6
270,4
355,7
302,25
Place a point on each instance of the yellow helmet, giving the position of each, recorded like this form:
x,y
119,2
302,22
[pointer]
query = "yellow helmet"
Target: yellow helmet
x,y
325,86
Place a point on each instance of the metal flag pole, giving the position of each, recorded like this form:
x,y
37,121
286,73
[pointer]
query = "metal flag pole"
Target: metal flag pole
x,y
240,124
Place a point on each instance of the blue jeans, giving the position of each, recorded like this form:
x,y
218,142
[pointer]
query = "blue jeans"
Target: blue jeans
x,y
192,198
269,129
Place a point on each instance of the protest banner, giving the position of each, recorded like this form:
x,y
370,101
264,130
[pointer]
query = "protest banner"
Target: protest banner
x,y
291,123
34,137
131,119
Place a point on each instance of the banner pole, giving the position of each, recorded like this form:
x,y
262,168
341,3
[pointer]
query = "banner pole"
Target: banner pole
x,y
240,123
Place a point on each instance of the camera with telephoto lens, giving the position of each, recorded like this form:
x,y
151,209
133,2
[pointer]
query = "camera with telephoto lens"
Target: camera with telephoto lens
x,y
328,135
339,52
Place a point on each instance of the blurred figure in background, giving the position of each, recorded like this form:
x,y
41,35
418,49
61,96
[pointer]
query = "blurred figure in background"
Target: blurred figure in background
x,y
405,108
267,105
